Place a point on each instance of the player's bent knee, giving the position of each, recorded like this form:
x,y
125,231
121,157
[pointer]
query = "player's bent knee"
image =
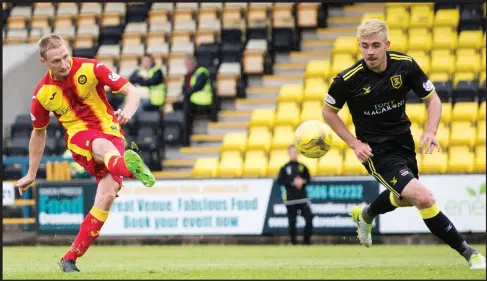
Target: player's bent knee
x,y
416,193
100,147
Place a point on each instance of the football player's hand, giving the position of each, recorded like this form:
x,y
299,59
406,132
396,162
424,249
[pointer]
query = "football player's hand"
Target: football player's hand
x,y
24,183
362,151
123,117
298,182
428,140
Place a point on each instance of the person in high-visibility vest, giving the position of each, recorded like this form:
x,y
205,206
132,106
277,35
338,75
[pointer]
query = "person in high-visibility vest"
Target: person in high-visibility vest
x,y
149,75
197,91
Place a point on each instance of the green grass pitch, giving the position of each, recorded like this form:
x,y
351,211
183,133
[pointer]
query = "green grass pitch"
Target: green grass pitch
x,y
244,262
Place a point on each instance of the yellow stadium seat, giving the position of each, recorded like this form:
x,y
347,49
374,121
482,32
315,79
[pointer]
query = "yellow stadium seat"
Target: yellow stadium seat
x,y
345,115
480,132
462,133
262,117
417,53
318,68
470,39
352,166
442,61
447,17
482,53
416,112
460,160
205,168
417,131
397,17
276,160
435,163
480,159
259,141
446,109
399,43
421,18
283,137
234,142
331,164
468,63
310,163
422,60
444,38
338,143
315,90
313,80
287,115
443,135
419,41
231,166
311,110
367,16
259,130
481,115
345,45
462,76
439,77
340,62
255,165
396,31
289,92
465,111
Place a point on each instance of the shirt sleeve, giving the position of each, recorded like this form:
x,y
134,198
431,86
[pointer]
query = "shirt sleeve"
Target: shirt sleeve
x,y
419,81
38,114
109,78
337,93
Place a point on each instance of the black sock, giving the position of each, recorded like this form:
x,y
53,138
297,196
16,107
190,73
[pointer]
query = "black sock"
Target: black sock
x,y
381,205
444,229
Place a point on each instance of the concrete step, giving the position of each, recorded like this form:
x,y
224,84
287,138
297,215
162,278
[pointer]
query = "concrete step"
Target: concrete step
x,y
251,104
319,45
308,35
360,9
207,138
198,152
178,163
350,21
307,56
227,127
173,174
281,79
254,81
234,116
289,68
282,58
263,92
334,32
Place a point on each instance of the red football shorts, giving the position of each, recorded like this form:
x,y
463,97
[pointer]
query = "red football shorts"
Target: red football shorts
x,y
83,142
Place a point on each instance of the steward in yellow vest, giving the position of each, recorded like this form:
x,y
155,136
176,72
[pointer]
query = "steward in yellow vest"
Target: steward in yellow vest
x,y
150,75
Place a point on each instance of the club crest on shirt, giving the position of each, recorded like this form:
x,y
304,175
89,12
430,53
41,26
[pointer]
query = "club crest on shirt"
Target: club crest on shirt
x,y
82,79
396,81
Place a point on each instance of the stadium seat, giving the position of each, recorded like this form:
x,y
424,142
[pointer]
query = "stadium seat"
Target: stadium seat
x,y
419,39
480,133
311,110
255,165
318,68
91,9
399,43
231,165
205,168
234,142
262,117
331,164
345,45
259,141
463,133
444,38
310,163
465,87
470,39
289,92
416,112
315,90
435,163
307,14
421,18
480,158
276,160
352,166
417,131
283,137
468,62
447,17
465,111
443,135
481,115
397,17
372,15
442,61
287,114
460,160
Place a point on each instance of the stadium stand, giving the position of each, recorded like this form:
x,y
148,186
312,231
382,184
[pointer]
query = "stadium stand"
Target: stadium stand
x,y
271,64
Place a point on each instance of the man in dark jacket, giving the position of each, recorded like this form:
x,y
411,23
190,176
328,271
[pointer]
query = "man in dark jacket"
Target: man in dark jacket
x,y
294,176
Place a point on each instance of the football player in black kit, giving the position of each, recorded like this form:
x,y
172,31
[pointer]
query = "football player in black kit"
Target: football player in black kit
x,y
294,176
375,89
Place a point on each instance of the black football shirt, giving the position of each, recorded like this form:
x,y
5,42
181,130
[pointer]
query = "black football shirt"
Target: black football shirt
x,y
377,100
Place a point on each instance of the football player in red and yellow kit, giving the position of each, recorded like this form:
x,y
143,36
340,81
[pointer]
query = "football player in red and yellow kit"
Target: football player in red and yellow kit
x,y
73,89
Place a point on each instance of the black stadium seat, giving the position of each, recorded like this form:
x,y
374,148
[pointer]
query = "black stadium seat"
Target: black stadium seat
x,y
471,17
21,126
231,52
150,146
284,39
466,91
137,13
444,90
85,53
231,36
174,127
150,119
110,35
17,146
51,145
257,33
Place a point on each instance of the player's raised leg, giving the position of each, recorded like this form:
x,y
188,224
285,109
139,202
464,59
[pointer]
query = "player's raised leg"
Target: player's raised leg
x,y
439,224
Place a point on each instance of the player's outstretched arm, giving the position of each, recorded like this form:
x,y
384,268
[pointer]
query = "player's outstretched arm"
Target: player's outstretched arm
x,y
362,150
131,104
428,139
36,149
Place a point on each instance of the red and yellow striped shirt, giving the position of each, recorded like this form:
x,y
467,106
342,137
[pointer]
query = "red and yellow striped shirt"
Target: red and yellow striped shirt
x,y
80,101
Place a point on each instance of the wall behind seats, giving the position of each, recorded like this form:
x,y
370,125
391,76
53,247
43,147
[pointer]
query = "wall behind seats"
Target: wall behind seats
x,y
21,73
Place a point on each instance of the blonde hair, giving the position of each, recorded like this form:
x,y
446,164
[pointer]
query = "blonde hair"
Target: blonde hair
x,y
372,27
48,42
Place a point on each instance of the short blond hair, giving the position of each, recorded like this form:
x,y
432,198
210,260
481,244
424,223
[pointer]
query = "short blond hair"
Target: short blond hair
x,y
48,42
372,27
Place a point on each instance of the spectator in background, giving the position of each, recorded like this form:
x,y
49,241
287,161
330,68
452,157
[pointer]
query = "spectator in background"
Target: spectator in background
x,y
197,93
149,75
294,176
